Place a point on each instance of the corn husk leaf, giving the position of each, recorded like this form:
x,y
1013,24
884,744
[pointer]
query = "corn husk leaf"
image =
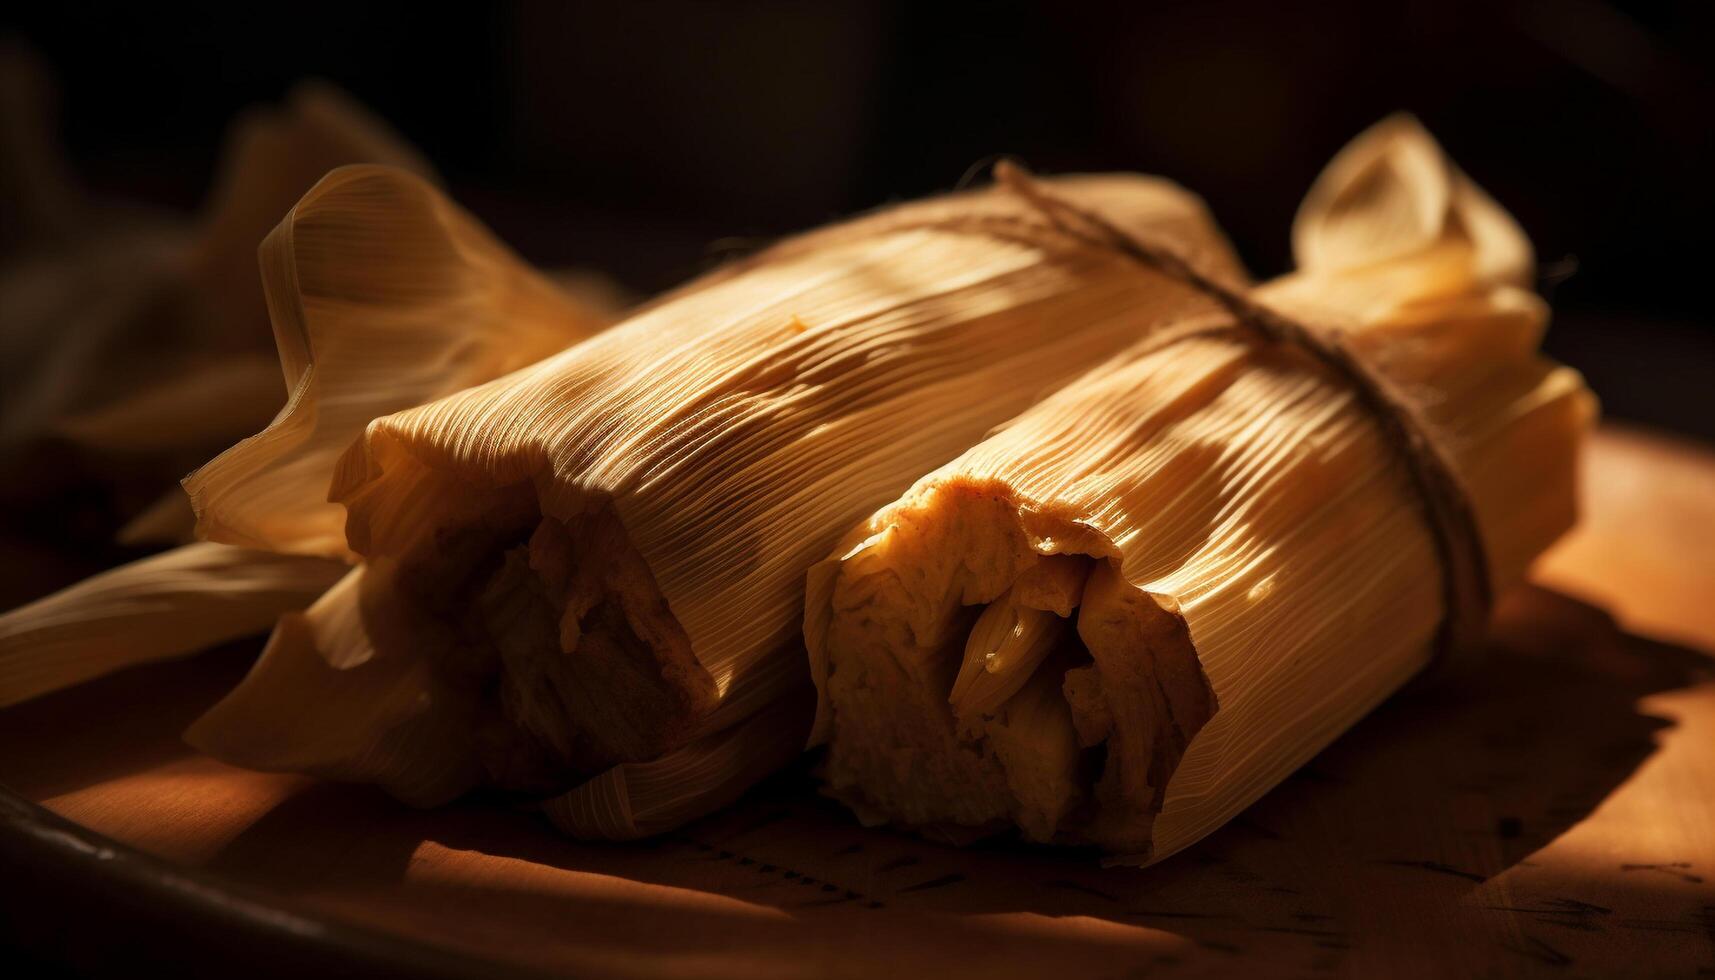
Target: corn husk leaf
x,y
201,379
637,800
138,336
271,159
321,700
383,295
165,606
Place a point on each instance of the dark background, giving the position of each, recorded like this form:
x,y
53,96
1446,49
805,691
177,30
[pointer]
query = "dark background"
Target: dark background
x,y
648,138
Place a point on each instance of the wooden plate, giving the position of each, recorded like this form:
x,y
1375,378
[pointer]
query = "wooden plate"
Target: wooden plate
x,y
1552,812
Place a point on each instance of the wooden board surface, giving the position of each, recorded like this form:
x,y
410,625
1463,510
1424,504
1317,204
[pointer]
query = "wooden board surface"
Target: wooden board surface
x,y
1550,812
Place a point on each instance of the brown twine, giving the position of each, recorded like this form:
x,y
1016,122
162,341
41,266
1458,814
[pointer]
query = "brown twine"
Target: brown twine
x,y
1446,502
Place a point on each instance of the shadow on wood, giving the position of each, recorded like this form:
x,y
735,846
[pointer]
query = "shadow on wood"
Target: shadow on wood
x,y
1499,815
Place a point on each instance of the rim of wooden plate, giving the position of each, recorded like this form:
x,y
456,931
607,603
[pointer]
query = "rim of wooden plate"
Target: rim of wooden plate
x,y
79,900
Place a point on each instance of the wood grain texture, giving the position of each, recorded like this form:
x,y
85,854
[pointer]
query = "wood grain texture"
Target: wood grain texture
x,y
1547,811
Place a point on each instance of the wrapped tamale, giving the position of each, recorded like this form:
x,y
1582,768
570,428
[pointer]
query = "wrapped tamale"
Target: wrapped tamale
x,y
584,581
1136,607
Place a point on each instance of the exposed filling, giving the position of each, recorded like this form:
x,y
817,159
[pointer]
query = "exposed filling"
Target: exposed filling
x,y
989,667
558,631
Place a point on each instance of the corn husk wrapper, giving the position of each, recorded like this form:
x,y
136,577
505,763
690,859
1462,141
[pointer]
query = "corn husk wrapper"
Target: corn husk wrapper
x,y
1134,609
138,339
383,295
388,295
594,566
192,597
320,701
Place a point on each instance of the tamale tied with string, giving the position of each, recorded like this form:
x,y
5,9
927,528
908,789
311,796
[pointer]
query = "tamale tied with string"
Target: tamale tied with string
x,y
1132,610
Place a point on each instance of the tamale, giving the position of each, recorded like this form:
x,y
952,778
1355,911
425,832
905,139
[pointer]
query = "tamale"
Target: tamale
x,y
584,581
1133,609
